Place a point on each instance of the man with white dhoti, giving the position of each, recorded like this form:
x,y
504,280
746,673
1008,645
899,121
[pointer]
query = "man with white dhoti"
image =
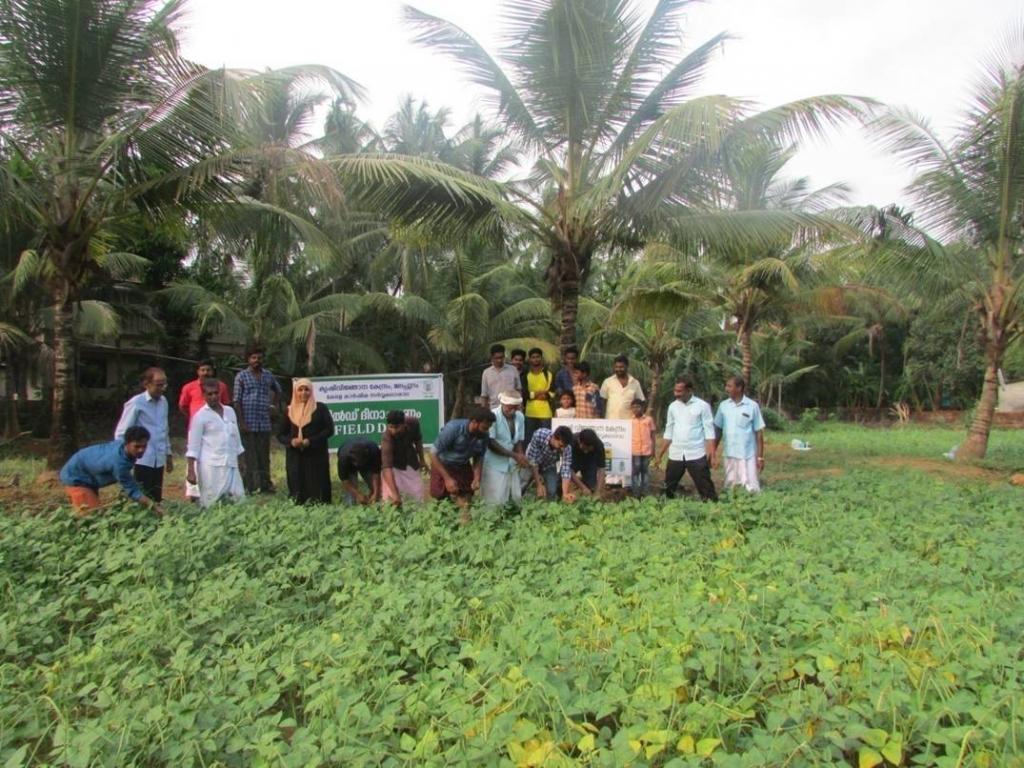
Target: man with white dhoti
x,y
214,448
739,420
499,483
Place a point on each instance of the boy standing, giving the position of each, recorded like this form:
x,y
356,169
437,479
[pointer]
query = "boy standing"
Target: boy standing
x,y
585,392
643,449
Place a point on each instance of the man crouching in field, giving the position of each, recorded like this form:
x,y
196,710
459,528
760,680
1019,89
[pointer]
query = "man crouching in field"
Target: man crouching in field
x,y
457,461
101,465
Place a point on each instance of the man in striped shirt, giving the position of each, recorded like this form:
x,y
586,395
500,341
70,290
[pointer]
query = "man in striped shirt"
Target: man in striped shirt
x,y
543,453
588,399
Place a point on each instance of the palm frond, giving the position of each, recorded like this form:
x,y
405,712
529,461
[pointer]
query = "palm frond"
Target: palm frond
x,y
481,68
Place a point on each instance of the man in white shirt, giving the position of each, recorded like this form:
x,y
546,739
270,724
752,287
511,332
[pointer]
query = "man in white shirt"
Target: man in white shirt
x,y
149,409
499,483
689,441
214,447
620,390
739,421
497,378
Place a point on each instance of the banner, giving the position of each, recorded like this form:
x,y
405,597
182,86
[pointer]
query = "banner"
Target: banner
x,y
617,436
359,404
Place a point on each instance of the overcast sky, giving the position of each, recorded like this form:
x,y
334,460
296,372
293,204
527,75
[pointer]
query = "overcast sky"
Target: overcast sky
x,y
922,54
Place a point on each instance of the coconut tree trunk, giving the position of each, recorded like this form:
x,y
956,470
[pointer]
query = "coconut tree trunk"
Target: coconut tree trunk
x,y
976,444
12,424
881,373
652,400
64,415
458,408
746,352
565,278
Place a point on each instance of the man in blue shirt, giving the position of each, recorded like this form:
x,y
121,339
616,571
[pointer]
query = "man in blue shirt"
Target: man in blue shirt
x,y
739,420
457,460
565,378
104,464
689,441
149,409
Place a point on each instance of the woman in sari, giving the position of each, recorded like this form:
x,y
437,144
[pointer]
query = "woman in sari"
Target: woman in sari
x,y
304,434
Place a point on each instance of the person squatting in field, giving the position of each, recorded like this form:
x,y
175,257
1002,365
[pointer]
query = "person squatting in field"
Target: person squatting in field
x,y
360,458
457,461
402,459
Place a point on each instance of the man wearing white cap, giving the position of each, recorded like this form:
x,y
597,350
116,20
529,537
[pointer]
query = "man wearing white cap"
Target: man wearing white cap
x,y
500,481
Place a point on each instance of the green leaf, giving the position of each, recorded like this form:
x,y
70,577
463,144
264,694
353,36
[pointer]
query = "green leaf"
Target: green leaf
x,y
868,758
874,737
706,746
893,750
17,759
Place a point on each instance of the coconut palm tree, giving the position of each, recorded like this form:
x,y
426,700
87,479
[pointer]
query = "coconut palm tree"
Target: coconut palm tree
x,y
478,299
605,103
970,194
108,121
872,311
756,283
651,325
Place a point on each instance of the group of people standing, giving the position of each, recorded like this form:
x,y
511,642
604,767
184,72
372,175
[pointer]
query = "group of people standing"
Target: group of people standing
x,y
503,447
568,393
692,435
228,448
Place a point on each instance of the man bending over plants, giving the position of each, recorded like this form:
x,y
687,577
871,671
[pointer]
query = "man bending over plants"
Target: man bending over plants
x,y
360,458
543,453
458,459
101,465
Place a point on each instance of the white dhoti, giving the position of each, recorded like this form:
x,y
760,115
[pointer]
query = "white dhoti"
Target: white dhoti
x,y
742,472
409,484
217,482
500,486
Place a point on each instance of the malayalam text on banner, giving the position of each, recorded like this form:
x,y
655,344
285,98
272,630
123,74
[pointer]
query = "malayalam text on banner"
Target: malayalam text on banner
x,y
359,404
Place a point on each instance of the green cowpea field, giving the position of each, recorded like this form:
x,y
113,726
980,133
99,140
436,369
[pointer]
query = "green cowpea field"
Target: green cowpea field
x,y
867,609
